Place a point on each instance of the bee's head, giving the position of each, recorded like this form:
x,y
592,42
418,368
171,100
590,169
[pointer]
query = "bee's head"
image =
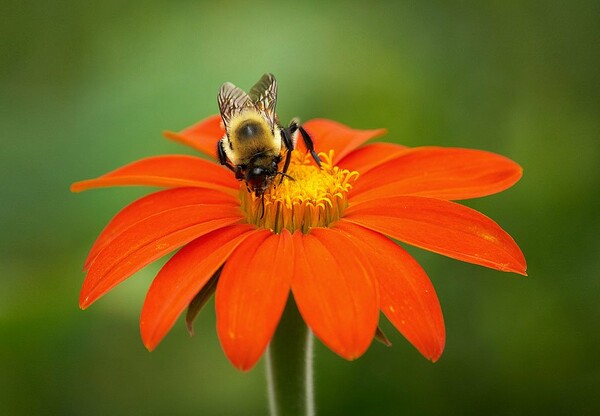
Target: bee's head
x,y
260,175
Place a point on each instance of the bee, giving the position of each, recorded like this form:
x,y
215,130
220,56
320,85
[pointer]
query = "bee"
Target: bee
x,y
254,139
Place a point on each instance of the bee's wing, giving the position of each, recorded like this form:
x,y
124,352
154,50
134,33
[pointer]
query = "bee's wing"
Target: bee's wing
x,y
232,100
264,96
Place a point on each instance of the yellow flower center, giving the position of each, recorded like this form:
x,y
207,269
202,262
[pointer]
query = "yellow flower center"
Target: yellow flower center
x,y
314,198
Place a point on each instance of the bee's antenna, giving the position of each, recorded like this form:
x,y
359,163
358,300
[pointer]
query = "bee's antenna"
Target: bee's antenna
x,y
286,175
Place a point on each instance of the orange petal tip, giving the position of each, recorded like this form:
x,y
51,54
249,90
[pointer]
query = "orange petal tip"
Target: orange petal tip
x,y
149,347
150,342
77,187
84,302
171,135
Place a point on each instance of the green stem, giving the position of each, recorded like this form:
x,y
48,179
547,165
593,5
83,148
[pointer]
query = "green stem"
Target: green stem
x,y
289,366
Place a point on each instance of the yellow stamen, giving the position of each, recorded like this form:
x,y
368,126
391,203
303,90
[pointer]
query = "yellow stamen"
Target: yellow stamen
x,y
315,198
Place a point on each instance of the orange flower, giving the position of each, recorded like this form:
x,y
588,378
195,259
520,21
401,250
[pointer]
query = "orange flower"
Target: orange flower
x,y
323,235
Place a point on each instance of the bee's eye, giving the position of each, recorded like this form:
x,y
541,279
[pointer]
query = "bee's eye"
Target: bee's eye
x,y
255,176
257,171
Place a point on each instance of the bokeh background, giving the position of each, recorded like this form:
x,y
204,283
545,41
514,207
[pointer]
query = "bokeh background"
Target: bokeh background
x,y
88,86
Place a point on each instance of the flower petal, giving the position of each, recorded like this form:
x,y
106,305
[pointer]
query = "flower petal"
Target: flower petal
x,y
330,135
153,204
407,296
148,240
370,156
443,227
251,295
335,291
202,136
165,171
183,276
436,172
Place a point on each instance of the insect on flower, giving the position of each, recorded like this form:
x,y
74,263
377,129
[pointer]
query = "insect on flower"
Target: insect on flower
x,y
324,236
252,144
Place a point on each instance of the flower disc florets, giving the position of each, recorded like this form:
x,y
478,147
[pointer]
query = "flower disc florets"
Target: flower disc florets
x,y
315,197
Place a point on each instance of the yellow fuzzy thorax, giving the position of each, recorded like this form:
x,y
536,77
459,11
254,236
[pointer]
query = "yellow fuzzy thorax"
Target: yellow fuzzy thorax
x,y
239,148
245,116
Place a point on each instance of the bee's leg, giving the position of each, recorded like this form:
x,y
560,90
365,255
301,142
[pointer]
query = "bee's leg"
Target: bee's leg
x,y
223,157
287,141
293,131
309,145
239,173
293,127
262,204
286,134
286,165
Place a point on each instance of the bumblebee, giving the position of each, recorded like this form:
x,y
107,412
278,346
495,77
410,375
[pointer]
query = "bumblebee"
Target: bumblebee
x,y
254,139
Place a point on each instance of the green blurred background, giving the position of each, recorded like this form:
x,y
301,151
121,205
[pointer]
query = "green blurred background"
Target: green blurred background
x,y
88,86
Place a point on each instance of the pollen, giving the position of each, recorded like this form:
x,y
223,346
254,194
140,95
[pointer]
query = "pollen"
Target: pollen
x,y
310,197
